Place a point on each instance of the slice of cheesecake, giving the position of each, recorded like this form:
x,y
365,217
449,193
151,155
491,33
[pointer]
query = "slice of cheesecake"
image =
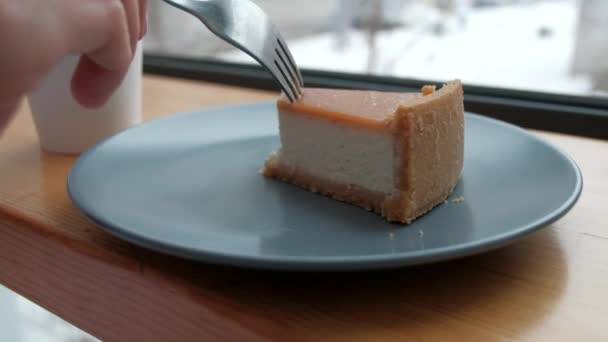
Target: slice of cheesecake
x,y
397,154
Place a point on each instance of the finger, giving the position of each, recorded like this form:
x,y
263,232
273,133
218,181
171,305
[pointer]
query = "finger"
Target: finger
x,y
7,111
133,20
92,85
143,17
98,29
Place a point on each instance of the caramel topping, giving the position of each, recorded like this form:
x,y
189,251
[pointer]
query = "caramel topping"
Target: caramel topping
x,y
373,108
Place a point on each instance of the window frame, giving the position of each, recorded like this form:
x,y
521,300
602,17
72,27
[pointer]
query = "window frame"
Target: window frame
x,y
569,114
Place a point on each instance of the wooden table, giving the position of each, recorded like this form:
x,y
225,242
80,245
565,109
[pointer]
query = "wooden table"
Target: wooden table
x,y
550,286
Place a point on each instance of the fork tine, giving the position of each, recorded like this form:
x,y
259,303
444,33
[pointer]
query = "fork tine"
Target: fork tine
x,y
286,83
293,80
293,67
289,74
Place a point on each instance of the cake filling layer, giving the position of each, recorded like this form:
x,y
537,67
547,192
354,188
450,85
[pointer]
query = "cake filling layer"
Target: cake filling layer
x,y
340,154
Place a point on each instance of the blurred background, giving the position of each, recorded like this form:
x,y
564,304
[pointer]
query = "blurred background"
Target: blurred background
x,y
556,46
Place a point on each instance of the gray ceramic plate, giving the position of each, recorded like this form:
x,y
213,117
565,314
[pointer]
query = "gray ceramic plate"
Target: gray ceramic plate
x,y
188,185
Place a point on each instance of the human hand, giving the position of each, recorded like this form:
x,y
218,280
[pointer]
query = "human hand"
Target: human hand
x,y
37,34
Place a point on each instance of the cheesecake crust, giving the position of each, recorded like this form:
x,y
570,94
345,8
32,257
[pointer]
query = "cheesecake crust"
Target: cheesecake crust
x,y
393,207
430,134
370,200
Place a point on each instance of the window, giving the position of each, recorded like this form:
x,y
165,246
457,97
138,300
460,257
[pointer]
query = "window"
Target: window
x,y
549,52
558,46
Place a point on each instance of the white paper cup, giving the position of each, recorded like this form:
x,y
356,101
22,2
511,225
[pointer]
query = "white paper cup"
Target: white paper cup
x,y
63,126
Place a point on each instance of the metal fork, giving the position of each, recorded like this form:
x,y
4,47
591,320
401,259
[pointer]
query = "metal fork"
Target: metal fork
x,y
244,25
